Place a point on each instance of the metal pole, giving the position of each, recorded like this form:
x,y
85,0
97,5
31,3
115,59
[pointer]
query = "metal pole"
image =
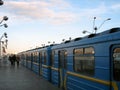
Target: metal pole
x,y
1,47
0,50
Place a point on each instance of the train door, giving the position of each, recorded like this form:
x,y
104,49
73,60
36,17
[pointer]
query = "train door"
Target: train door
x,y
25,59
52,64
31,57
62,67
40,63
115,76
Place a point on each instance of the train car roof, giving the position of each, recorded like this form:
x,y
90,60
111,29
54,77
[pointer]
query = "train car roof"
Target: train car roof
x,y
48,47
92,38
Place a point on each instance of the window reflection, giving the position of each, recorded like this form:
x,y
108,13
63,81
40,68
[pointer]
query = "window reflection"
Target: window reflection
x,y
116,64
84,60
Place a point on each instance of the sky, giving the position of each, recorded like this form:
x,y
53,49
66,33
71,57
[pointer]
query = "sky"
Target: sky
x,y
35,22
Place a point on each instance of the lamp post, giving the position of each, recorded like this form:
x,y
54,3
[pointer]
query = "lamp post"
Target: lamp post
x,y
97,28
2,42
5,18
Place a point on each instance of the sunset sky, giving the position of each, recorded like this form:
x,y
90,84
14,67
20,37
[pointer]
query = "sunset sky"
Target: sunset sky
x,y
35,22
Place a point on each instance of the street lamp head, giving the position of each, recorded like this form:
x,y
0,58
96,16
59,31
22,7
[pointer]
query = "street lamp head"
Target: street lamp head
x,y
5,34
49,42
5,25
5,18
6,41
63,40
109,19
1,2
94,17
84,31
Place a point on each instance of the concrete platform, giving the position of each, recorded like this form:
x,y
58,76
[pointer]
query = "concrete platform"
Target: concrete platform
x,y
20,78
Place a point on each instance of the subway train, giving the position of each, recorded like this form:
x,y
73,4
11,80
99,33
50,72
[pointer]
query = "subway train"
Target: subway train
x,y
84,63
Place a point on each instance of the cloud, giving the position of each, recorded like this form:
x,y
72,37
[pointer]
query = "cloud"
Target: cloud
x,y
53,10
93,12
116,7
63,17
31,9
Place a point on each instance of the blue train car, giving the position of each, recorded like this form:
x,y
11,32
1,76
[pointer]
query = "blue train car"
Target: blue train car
x,y
88,63
35,60
46,62
32,60
23,58
39,61
29,59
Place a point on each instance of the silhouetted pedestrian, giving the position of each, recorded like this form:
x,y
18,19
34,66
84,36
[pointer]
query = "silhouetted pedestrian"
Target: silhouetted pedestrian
x,y
11,59
14,59
17,60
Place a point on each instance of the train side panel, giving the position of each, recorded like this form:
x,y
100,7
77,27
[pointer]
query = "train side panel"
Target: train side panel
x,y
46,68
90,63
35,63
80,77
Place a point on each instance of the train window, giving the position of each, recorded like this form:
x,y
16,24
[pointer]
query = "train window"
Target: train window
x,y
23,57
89,50
116,64
78,51
52,58
35,57
40,57
28,57
45,61
84,62
63,59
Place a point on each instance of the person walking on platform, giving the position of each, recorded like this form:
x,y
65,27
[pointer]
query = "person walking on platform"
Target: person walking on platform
x,y
11,60
17,60
14,59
